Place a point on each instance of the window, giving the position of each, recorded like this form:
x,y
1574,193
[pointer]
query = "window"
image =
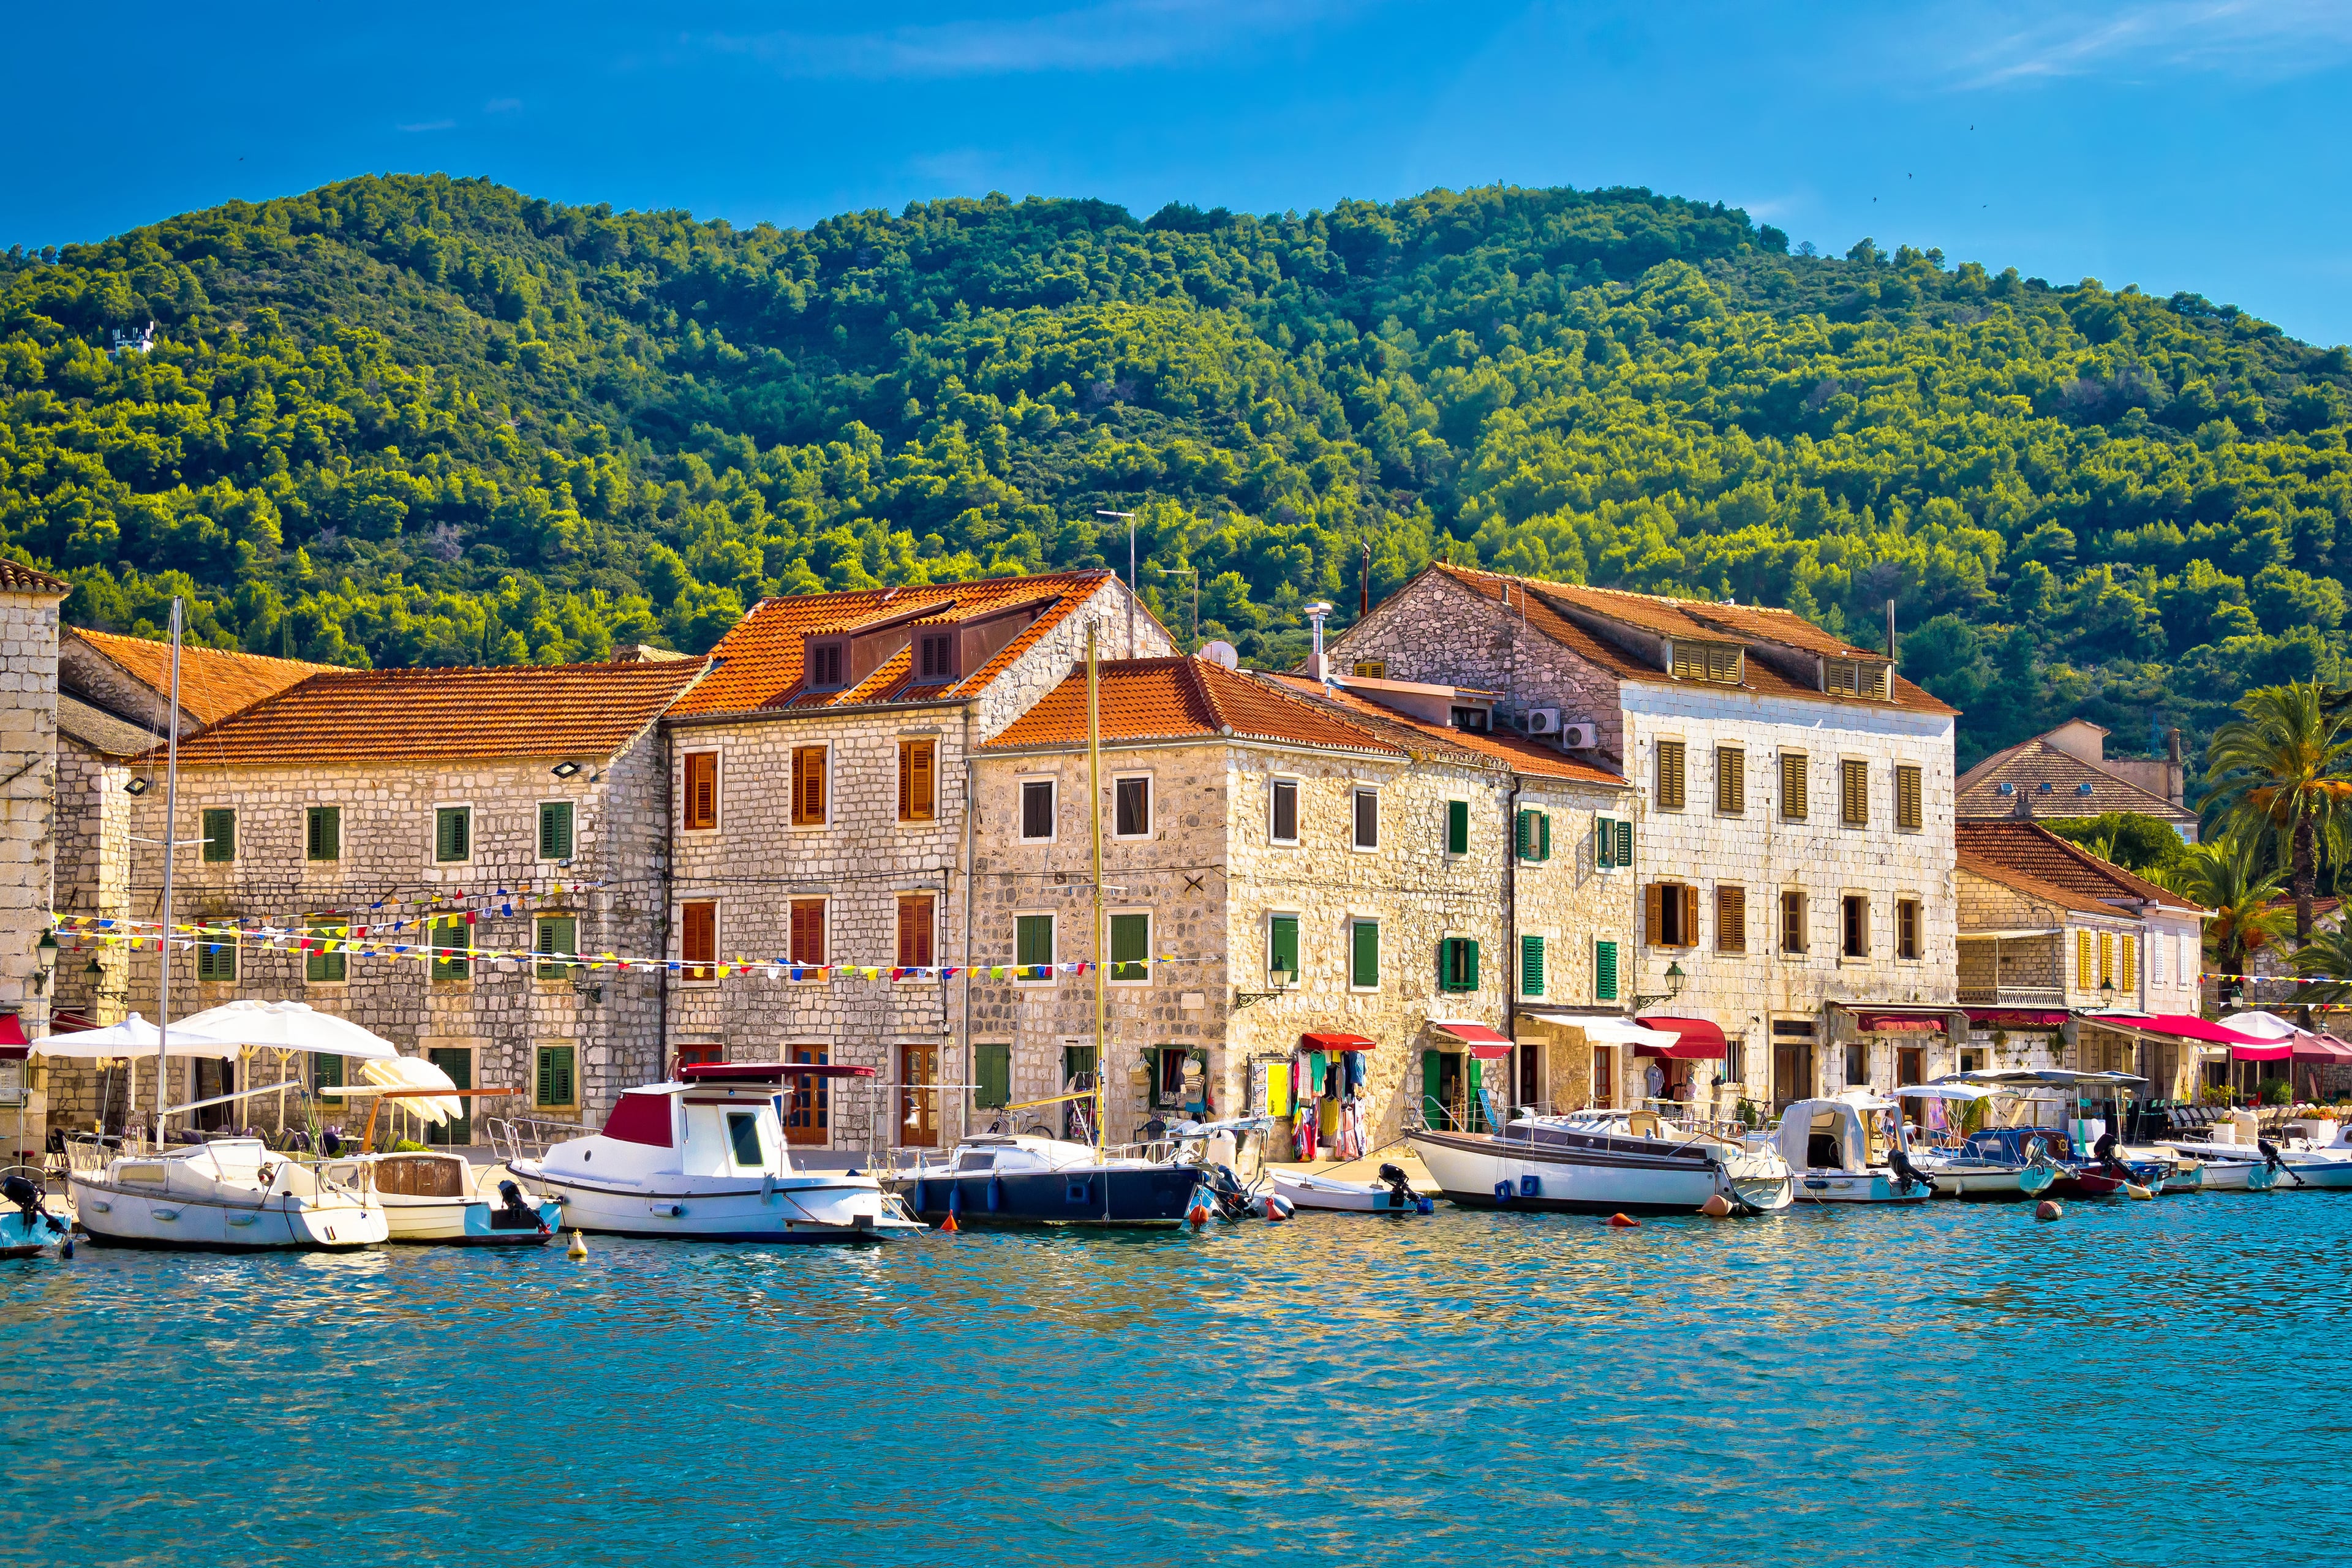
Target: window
x,y
1472,721
326,1071
1612,843
1671,912
825,666
1857,1065
1854,926
935,656
1531,966
555,830
1730,919
2086,961
1717,662
1457,964
991,1077
322,834
1130,808
556,940
1792,921
216,952
918,780
918,914
1910,1066
744,1139
452,942
2106,958
701,791
1731,781
1368,819
1605,972
1534,835
1906,928
1037,811
1364,955
220,834
1372,668
1282,950
323,958
1793,786
807,932
453,833
1283,824
1457,827
1670,775
697,939
2127,969
1853,792
2192,954
1854,677
808,786
1907,797
556,1086
1130,950
1033,943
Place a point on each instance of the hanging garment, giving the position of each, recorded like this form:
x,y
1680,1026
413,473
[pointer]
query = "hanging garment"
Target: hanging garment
x,y
1277,1088
1331,1121
1355,1060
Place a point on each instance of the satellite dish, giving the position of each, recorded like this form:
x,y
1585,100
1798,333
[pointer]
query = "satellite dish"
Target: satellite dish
x,y
1223,653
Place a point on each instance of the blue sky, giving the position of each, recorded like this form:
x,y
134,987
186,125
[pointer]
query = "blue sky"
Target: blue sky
x,y
2176,145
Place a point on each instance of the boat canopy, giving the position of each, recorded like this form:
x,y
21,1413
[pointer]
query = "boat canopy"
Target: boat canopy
x,y
1486,1044
1969,1091
1696,1039
2040,1078
1334,1041
1831,1134
642,1116
766,1072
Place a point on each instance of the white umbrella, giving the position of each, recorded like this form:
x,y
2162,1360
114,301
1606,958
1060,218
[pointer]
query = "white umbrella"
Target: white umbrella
x,y
134,1037
289,1026
415,1072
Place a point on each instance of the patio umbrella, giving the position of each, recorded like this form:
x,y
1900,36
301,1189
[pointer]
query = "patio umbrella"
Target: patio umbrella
x,y
288,1026
134,1037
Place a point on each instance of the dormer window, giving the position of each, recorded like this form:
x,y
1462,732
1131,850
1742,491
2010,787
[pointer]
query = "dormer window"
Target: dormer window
x,y
824,661
1854,677
1472,719
1717,662
935,655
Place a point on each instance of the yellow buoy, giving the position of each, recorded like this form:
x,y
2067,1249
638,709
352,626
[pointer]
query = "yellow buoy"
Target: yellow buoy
x,y
2135,1191
579,1248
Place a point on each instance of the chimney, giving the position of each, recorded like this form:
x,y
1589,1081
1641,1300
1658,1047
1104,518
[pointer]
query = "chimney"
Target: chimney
x,y
1890,638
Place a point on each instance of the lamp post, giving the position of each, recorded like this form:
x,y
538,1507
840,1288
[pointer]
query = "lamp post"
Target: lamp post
x,y
1676,981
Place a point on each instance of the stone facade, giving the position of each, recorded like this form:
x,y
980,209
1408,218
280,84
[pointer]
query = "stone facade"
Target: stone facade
x,y
28,791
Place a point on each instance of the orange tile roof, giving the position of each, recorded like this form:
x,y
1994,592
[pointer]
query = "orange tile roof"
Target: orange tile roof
x,y
583,710
15,577
1422,737
760,660
1994,871
1184,698
1546,606
215,682
2032,849
2030,765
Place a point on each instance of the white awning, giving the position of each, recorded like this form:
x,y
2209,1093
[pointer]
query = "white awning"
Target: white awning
x,y
289,1025
1943,1091
134,1037
2016,932
1602,1029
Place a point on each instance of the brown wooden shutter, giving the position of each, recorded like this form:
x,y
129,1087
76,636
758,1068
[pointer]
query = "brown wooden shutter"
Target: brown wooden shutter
x,y
1793,786
1730,919
1653,904
1670,775
915,917
1854,804
808,931
917,781
698,938
1689,931
701,789
808,786
1906,798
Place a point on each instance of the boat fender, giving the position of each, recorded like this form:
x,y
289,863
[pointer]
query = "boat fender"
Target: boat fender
x,y
1717,1206
65,1250
1622,1222
955,1200
1199,1215
1531,1185
768,1188
995,1194
922,1193
1420,1203
2047,1209
1503,1191
1277,1208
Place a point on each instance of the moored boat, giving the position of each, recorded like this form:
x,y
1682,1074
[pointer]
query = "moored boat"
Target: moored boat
x,y
30,1227
431,1196
1838,1153
1022,1179
1392,1193
1602,1161
232,1194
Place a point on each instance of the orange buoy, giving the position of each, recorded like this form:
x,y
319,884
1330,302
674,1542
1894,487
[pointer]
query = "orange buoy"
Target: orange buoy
x,y
949,1224
1199,1217
1623,1222
1717,1206
2047,1209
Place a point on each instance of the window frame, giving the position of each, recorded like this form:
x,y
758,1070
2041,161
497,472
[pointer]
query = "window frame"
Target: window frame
x,y
925,671
1910,921
570,813
440,971
792,909
1531,835
908,814
1854,933
1457,827
1355,925
1151,807
463,812
1669,784
1608,959
1853,792
1800,927
1796,806
1454,976
1274,919
1541,951
541,969
1052,785
1615,835
688,821
1736,892
979,1084
1275,786
1356,796
1111,947
216,955
817,650
930,942
316,961
1911,811
1053,919
312,816
539,1060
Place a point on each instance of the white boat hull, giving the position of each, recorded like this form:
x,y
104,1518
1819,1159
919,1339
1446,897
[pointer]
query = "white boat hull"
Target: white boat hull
x,y
814,1207
463,1221
1989,1181
1477,1173
1872,1186
1306,1190
119,1215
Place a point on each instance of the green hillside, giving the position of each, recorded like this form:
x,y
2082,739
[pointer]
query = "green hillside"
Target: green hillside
x,y
425,420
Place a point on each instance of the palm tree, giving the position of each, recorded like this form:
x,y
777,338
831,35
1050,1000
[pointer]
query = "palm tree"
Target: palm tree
x,y
2329,954
2282,766
2229,876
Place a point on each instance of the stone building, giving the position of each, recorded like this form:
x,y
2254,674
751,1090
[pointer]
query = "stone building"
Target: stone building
x,y
2066,772
424,852
28,752
1790,827
2066,960
821,823
1293,876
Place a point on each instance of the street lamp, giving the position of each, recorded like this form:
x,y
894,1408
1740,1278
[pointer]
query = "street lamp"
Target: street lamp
x,y
45,952
581,986
1676,980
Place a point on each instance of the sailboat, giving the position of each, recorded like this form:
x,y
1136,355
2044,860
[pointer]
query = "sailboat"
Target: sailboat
x,y
232,1194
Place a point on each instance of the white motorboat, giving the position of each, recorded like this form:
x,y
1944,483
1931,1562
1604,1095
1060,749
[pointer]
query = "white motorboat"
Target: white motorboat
x,y
232,1194
1602,1161
1838,1153
435,1197
2218,1168
704,1159
1983,1167
1392,1193
2298,1164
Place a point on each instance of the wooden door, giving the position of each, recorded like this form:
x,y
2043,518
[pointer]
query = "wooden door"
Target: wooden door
x,y
918,1099
1793,1074
1604,1076
1077,1073
808,1107
459,1063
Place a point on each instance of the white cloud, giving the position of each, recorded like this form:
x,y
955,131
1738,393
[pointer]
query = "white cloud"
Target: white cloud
x,y
2248,37
1112,35
429,125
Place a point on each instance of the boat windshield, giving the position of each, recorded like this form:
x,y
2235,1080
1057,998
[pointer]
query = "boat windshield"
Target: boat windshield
x,y
744,1135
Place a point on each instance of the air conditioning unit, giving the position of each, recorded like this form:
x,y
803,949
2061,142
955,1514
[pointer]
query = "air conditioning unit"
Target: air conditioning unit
x,y
1579,737
1540,721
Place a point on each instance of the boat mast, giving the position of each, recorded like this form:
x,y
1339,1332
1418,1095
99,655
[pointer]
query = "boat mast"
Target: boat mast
x,y
163,937
1094,796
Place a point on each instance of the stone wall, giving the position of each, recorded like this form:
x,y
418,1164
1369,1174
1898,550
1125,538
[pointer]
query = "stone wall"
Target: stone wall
x,y
93,875
29,786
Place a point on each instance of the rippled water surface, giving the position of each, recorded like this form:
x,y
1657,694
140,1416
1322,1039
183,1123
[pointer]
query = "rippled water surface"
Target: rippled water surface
x,y
1953,1384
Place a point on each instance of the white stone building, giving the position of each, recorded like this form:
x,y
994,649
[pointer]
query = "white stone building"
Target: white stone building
x,y
1791,827
28,754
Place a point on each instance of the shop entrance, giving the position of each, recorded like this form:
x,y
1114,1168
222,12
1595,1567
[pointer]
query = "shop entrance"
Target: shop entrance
x,y
1792,1072
1604,1076
1077,1074
1449,1092
918,1099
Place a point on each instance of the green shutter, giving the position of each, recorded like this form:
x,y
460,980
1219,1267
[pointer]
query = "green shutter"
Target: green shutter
x,y
451,833
1519,836
557,936
1625,844
1432,1109
1130,947
1543,836
323,839
1364,969
215,954
1470,964
1457,964
448,933
318,965
1531,966
992,1075
1457,827
1282,944
1604,971
555,830
1032,939
220,834
555,1086
1475,1071
326,1071
1604,844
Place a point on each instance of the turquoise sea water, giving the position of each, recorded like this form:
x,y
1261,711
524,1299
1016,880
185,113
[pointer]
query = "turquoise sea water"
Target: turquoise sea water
x,y
1952,1384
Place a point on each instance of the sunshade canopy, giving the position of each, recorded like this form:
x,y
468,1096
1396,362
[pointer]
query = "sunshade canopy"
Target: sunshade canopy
x,y
416,1072
1335,1042
1944,1091
1486,1044
134,1037
1599,1029
2019,1017
12,1044
2186,1026
292,1026
1696,1039
766,1072
2305,1046
1883,1021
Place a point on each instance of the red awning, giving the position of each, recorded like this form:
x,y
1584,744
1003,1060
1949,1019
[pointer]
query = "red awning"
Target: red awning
x,y
1900,1023
1336,1042
63,1022
1485,1044
2019,1017
13,1041
766,1072
2186,1026
1701,1039
2310,1047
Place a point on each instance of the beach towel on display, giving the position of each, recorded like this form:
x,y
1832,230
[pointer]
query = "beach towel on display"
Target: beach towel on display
x,y
1277,1088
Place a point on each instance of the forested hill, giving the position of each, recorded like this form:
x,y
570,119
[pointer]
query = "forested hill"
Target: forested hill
x,y
424,420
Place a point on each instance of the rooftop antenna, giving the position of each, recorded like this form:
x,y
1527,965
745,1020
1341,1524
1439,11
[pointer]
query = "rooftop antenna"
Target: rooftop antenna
x,y
1890,638
1366,608
1316,667
1130,573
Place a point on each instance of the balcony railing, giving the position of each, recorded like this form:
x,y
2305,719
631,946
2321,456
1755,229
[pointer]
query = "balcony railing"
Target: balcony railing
x,y
2012,995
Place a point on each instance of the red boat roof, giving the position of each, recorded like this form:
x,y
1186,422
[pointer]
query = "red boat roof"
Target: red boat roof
x,y
767,1072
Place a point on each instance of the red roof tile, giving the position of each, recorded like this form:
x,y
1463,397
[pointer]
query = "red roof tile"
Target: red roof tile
x,y
2030,765
1184,698
215,682
2033,850
1425,738
1994,871
18,578
585,711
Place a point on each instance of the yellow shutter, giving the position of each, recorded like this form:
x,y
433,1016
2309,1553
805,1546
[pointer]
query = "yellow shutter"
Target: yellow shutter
x,y
1854,796
1670,775
1730,781
2130,981
2086,962
1792,786
2106,956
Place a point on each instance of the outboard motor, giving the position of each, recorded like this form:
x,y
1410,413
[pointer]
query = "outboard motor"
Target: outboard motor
x,y
515,1211
332,1141
2269,1152
1401,1191
1906,1174
28,1199
2105,1150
